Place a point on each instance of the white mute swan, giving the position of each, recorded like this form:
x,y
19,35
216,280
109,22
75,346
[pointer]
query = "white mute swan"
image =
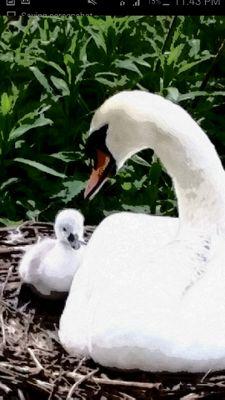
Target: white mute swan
x,y
49,265
141,300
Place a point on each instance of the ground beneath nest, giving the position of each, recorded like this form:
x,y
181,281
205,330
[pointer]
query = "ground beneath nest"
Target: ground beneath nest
x,y
33,365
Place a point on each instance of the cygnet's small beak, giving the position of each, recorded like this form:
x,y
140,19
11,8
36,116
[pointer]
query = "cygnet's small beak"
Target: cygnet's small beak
x,y
75,242
105,164
71,238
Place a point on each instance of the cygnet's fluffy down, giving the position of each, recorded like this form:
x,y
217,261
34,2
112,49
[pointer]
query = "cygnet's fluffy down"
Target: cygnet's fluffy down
x,y
49,265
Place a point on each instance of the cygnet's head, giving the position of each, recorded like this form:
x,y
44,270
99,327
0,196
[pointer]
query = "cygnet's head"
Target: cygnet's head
x,y
69,227
119,129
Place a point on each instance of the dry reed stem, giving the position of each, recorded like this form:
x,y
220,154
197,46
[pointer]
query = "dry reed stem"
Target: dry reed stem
x,y
82,378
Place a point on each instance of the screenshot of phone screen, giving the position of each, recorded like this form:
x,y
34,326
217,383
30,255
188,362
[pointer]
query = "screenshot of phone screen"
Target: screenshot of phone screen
x,y
112,148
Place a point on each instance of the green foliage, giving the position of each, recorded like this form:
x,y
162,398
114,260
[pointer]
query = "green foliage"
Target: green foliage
x,y
57,70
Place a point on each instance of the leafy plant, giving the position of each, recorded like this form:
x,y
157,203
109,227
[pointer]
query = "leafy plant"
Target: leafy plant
x,y
58,70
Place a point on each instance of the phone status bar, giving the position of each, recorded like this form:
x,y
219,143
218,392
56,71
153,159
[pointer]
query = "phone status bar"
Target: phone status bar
x,y
114,7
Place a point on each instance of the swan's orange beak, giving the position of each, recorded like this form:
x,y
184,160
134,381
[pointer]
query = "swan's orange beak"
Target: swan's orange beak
x,y
99,174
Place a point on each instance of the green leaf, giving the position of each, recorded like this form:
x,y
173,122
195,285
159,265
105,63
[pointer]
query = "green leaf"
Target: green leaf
x,y
71,189
5,104
188,66
41,78
83,51
137,209
139,160
7,183
68,156
193,95
61,85
74,188
52,64
127,64
195,47
105,82
175,54
40,167
173,94
127,186
98,39
68,59
16,133
155,173
9,222
138,183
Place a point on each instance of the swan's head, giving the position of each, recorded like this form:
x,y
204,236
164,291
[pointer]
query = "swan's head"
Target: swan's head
x,y
69,227
118,131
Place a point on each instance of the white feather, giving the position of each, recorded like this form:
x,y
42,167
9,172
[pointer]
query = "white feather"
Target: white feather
x,y
150,293
50,264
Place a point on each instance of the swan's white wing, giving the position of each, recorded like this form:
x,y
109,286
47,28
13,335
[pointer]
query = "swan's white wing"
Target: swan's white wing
x,y
128,307
109,243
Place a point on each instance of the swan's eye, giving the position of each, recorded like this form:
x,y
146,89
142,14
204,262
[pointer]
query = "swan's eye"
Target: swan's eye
x,y
64,229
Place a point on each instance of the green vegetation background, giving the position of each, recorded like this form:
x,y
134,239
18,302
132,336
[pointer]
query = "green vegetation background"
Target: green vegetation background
x,y
56,71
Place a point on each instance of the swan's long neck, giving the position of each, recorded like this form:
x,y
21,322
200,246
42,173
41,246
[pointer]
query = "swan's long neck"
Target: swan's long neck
x,y
197,173
139,120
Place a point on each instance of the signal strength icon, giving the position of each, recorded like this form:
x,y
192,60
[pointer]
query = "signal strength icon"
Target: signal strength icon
x,y
137,3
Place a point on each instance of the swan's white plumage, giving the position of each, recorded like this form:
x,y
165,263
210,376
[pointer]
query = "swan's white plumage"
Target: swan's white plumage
x,y
150,292
50,264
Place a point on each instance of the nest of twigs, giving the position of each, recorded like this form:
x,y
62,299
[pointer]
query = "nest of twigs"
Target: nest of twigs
x,y
33,365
